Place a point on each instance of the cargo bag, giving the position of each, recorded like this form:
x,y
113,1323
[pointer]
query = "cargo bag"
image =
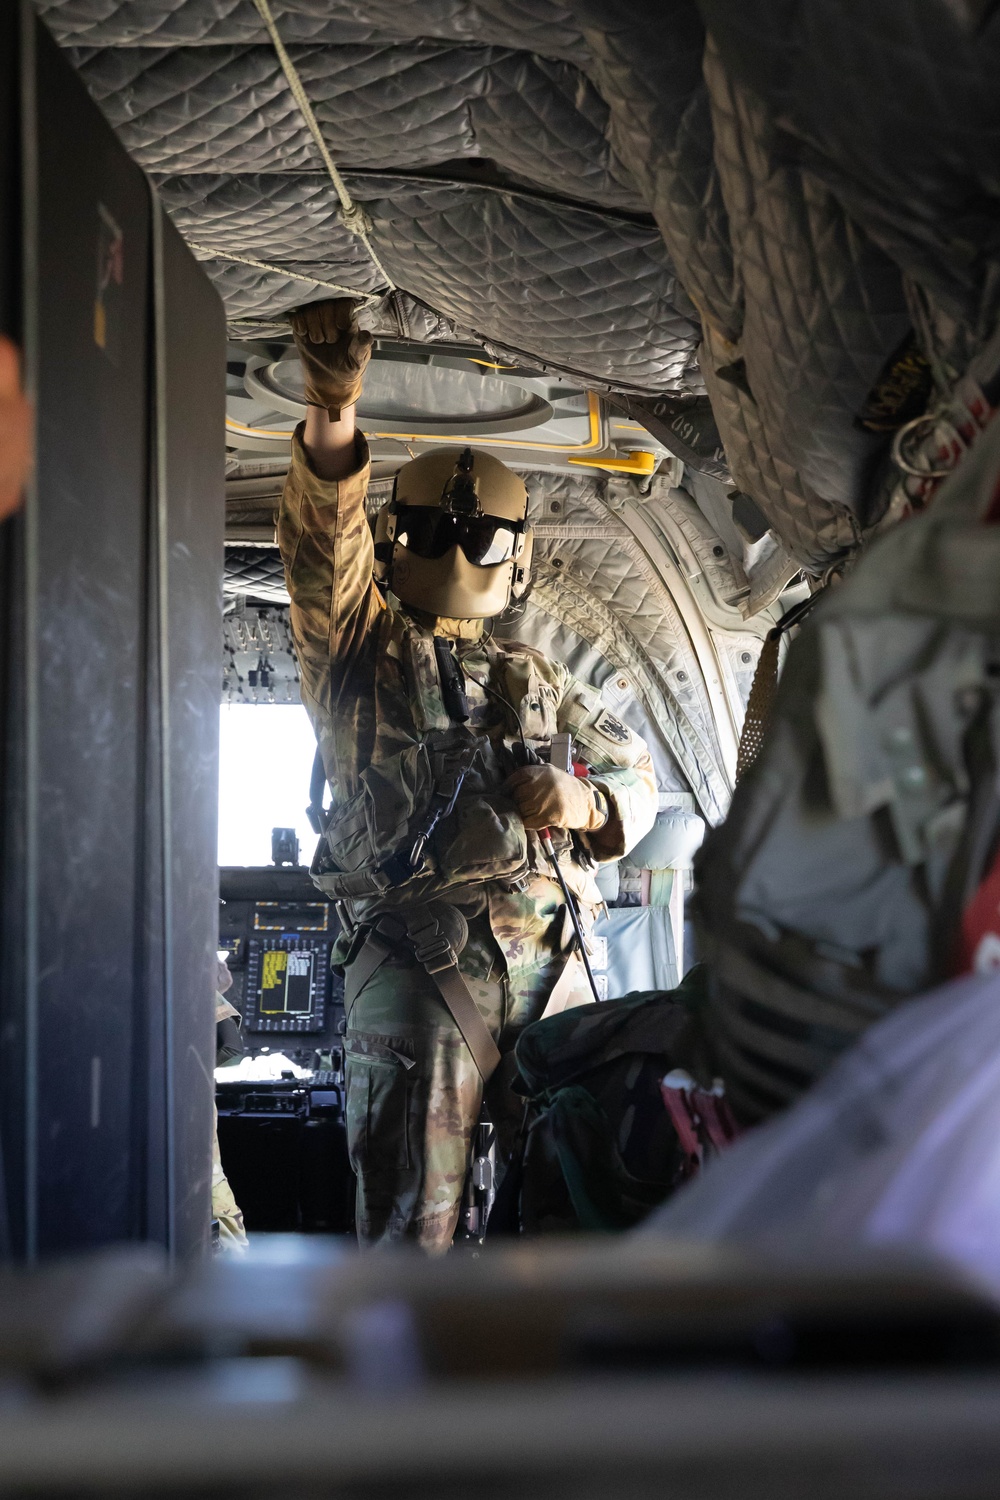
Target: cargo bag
x,y
600,1149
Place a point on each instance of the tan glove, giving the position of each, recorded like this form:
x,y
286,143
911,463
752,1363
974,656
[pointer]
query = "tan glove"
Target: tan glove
x,y
334,353
548,798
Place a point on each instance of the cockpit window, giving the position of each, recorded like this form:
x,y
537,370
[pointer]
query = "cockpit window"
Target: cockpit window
x,y
265,757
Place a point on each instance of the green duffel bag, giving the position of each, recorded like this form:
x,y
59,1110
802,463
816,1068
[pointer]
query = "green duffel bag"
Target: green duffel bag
x,y
600,1149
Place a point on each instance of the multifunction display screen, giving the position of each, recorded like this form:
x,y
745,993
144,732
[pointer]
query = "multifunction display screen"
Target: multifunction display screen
x,y
291,916
287,982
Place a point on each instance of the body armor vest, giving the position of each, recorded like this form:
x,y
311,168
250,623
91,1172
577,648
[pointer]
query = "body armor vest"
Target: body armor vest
x,y
430,816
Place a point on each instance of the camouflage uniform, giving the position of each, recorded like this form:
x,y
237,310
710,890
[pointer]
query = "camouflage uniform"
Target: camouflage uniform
x,y
370,684
232,1232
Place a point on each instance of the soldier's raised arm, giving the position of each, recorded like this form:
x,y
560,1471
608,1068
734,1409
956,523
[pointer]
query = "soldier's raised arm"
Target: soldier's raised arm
x,y
323,534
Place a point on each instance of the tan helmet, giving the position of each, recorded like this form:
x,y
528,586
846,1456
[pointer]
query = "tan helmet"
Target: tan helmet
x,y
454,539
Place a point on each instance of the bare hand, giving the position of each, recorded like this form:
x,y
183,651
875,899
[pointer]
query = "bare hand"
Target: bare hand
x,y
16,430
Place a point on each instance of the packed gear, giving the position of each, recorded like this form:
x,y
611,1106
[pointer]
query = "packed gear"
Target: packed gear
x,y
859,837
334,353
603,1144
449,903
898,1143
454,539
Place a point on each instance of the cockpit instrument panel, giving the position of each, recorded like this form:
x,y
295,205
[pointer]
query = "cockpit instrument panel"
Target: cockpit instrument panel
x,y
278,933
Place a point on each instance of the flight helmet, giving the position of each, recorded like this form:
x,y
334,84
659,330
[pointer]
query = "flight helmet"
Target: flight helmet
x,y
454,539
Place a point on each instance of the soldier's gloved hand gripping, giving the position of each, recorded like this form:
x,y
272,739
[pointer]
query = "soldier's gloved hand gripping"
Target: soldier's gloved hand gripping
x,y
549,798
334,353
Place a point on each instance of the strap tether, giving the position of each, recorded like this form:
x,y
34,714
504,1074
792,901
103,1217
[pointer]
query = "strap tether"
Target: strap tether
x,y
355,218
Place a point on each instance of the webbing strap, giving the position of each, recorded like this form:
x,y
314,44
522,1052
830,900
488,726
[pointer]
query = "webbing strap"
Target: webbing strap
x,y
453,991
355,218
468,1018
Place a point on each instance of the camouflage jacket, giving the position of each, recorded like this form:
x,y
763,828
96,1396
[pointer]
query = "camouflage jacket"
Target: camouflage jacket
x,y
370,685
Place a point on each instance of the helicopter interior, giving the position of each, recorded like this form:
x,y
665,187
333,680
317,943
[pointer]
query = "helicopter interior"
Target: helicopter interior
x,y
711,281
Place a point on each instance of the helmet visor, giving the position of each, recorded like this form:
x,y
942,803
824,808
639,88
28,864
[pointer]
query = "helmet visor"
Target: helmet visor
x,y
429,532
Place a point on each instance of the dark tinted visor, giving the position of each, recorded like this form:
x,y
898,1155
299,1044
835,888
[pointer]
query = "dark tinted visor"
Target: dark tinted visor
x,y
429,532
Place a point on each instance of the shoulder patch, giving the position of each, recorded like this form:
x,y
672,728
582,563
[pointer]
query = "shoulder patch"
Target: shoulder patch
x,y
613,729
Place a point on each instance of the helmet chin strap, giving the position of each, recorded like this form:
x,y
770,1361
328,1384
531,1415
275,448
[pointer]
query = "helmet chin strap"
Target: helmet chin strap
x,y
458,630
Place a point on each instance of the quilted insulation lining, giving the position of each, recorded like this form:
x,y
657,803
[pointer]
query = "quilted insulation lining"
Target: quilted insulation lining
x,y
798,168
486,108
818,153
905,131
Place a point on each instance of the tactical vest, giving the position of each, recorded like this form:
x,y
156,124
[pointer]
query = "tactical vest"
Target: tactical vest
x,y
835,888
430,817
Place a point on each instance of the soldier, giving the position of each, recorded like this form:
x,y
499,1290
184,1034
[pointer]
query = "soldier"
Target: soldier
x,y
225,1209
433,738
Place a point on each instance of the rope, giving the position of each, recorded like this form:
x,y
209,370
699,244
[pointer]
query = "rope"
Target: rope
x,y
355,218
263,265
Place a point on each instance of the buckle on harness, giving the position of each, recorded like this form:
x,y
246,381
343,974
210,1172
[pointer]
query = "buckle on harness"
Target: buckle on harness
x,y
435,947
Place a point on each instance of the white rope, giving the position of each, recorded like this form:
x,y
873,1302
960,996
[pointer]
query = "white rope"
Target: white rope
x,y
262,265
355,218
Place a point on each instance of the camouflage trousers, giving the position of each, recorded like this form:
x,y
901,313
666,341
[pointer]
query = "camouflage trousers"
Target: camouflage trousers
x,y
414,1094
232,1234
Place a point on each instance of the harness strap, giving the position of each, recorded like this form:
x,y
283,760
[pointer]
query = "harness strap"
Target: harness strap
x,y
467,1017
436,956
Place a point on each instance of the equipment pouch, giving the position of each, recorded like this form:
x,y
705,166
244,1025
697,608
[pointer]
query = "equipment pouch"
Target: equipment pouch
x,y
383,816
483,839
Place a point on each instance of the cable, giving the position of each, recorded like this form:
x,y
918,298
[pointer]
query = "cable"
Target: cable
x,y
355,218
574,911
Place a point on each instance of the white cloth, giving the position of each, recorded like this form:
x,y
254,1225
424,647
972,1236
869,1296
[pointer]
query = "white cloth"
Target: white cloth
x,y
898,1144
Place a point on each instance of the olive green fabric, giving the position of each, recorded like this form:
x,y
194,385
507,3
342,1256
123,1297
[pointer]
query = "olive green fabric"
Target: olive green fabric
x,y
834,889
600,1150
